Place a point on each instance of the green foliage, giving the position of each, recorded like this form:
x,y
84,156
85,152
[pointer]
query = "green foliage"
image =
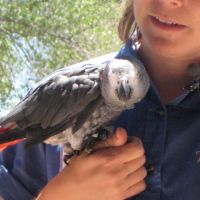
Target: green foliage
x,y
43,35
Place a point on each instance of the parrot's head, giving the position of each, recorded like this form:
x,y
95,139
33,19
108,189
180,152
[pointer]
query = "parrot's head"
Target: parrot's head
x,y
123,83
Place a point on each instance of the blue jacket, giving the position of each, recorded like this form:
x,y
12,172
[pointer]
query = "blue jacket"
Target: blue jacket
x,y
170,134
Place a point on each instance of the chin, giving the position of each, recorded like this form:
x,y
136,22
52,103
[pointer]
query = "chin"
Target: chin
x,y
166,48
168,52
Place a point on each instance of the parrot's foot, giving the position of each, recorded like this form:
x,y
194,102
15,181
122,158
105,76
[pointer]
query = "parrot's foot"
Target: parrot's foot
x,y
88,144
67,157
91,140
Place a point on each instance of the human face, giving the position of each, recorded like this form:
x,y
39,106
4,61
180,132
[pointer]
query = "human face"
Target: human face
x,y
169,27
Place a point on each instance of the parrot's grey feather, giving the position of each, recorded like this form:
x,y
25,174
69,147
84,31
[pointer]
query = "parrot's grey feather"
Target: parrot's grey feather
x,y
86,113
36,135
80,91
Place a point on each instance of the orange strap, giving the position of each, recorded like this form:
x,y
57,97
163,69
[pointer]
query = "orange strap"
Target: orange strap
x,y
7,144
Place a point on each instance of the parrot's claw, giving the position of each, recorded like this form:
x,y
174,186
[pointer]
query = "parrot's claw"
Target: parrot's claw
x,y
67,157
90,142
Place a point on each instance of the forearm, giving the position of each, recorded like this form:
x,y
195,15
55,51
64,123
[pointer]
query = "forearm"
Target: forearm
x,y
59,186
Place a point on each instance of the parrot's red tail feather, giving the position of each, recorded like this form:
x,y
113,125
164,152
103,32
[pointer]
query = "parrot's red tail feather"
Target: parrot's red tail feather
x,y
7,144
3,130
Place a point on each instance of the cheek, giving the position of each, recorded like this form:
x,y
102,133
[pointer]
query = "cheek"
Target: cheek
x,y
140,12
140,6
137,9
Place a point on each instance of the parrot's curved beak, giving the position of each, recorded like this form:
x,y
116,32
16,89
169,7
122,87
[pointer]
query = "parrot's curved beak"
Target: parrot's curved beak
x,y
124,91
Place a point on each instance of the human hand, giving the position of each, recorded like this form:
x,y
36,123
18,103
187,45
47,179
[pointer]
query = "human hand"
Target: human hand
x,y
114,171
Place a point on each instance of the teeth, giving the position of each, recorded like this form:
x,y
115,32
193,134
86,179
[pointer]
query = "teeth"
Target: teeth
x,y
166,22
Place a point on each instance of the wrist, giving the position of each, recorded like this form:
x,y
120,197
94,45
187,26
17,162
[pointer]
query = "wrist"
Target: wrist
x,y
57,189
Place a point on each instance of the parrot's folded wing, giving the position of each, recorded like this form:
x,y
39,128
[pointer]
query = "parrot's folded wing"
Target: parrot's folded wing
x,y
57,99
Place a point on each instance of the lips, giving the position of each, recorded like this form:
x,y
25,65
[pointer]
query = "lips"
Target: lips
x,y
166,23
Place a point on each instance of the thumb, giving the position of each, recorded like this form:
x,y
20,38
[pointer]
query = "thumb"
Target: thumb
x,y
119,138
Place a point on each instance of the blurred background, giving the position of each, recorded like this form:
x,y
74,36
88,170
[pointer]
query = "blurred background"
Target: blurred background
x,y
40,36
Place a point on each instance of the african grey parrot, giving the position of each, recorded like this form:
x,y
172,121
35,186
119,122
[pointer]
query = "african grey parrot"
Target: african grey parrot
x,y
72,105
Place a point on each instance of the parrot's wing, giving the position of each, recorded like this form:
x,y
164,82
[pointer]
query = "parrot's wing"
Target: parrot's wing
x,y
58,98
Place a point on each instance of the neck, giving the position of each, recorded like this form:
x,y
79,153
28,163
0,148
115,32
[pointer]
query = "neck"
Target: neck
x,y
169,75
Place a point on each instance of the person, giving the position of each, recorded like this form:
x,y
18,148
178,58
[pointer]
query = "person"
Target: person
x,y
161,159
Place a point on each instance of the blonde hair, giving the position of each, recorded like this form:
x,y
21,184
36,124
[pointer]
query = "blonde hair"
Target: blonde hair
x,y
127,24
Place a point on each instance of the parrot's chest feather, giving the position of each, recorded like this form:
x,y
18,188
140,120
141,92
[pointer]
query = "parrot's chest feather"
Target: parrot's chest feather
x,y
74,141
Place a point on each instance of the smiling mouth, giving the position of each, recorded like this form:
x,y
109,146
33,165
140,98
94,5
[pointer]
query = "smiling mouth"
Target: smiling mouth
x,y
166,24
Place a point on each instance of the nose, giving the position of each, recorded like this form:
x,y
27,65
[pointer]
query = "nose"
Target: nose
x,y
174,3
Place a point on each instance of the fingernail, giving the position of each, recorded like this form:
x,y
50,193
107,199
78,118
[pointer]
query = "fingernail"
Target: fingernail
x,y
119,132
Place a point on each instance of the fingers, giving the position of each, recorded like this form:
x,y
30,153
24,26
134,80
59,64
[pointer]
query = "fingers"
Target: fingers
x,y
136,176
117,139
135,189
131,151
123,153
135,182
134,165
135,179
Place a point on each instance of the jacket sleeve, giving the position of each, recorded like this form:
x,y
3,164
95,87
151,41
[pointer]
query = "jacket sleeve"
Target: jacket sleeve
x,y
24,172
